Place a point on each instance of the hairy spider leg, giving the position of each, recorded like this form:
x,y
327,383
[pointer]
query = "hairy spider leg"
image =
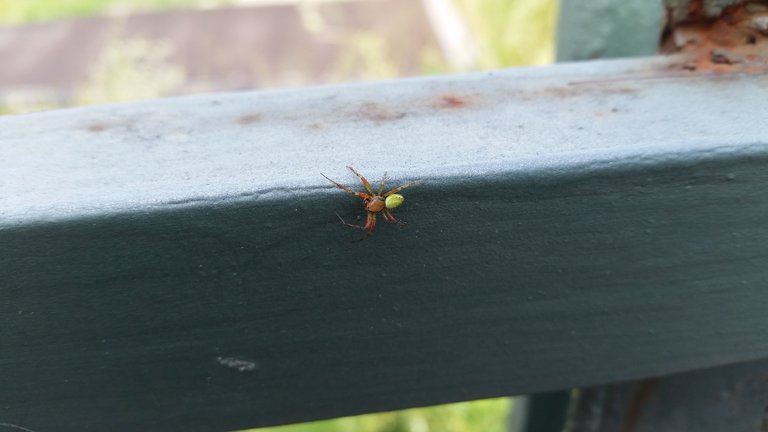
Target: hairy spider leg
x,y
370,223
398,189
383,180
363,179
357,194
390,217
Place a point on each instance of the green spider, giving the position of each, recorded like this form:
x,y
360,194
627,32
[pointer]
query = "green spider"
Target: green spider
x,y
375,202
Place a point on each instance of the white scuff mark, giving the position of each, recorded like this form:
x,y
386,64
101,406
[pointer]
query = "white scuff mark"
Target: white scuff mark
x,y
13,426
239,364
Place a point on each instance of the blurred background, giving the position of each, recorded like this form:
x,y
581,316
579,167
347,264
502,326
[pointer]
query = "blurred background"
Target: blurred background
x,y
64,53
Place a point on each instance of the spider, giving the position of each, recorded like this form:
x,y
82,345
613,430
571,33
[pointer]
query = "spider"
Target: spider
x,y
375,202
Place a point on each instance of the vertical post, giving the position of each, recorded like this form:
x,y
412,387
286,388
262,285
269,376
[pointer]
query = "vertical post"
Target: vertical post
x,y
542,412
590,29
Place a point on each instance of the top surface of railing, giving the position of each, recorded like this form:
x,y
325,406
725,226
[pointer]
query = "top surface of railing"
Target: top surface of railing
x,y
254,145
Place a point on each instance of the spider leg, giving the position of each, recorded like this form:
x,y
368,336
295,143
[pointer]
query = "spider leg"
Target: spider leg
x,y
363,179
349,224
390,217
357,194
370,223
398,189
356,227
383,180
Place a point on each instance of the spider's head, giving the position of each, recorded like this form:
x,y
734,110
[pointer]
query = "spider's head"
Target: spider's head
x,y
393,201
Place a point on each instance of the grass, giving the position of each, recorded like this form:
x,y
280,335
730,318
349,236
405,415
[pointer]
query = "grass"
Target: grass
x,y
511,32
478,416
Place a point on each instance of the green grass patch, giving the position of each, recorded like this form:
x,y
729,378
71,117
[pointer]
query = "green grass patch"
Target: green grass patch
x,y
489,415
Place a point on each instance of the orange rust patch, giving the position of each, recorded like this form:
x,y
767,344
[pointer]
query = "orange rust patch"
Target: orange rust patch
x,y
450,102
247,119
375,112
736,41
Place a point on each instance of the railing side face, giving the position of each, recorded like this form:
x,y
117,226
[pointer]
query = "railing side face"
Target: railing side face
x,y
596,261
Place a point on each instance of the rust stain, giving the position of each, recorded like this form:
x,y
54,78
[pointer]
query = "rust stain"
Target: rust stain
x,y
247,119
559,92
318,125
696,9
598,87
97,127
101,126
641,396
735,41
619,90
450,102
376,113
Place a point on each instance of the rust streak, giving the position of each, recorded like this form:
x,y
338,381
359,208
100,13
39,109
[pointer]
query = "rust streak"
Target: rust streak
x,y
560,92
318,125
97,127
696,9
641,396
101,126
450,102
247,119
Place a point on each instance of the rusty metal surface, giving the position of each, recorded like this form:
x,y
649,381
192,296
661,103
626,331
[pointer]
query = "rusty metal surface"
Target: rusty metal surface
x,y
723,37
681,10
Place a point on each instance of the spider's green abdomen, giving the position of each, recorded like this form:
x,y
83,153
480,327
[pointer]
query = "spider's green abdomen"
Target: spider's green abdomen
x,y
393,201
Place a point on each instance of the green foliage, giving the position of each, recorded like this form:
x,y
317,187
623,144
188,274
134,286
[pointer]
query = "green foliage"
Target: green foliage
x,y
132,69
485,415
365,56
511,32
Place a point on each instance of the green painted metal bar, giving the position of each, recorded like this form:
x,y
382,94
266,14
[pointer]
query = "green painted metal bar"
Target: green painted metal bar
x,y
177,264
